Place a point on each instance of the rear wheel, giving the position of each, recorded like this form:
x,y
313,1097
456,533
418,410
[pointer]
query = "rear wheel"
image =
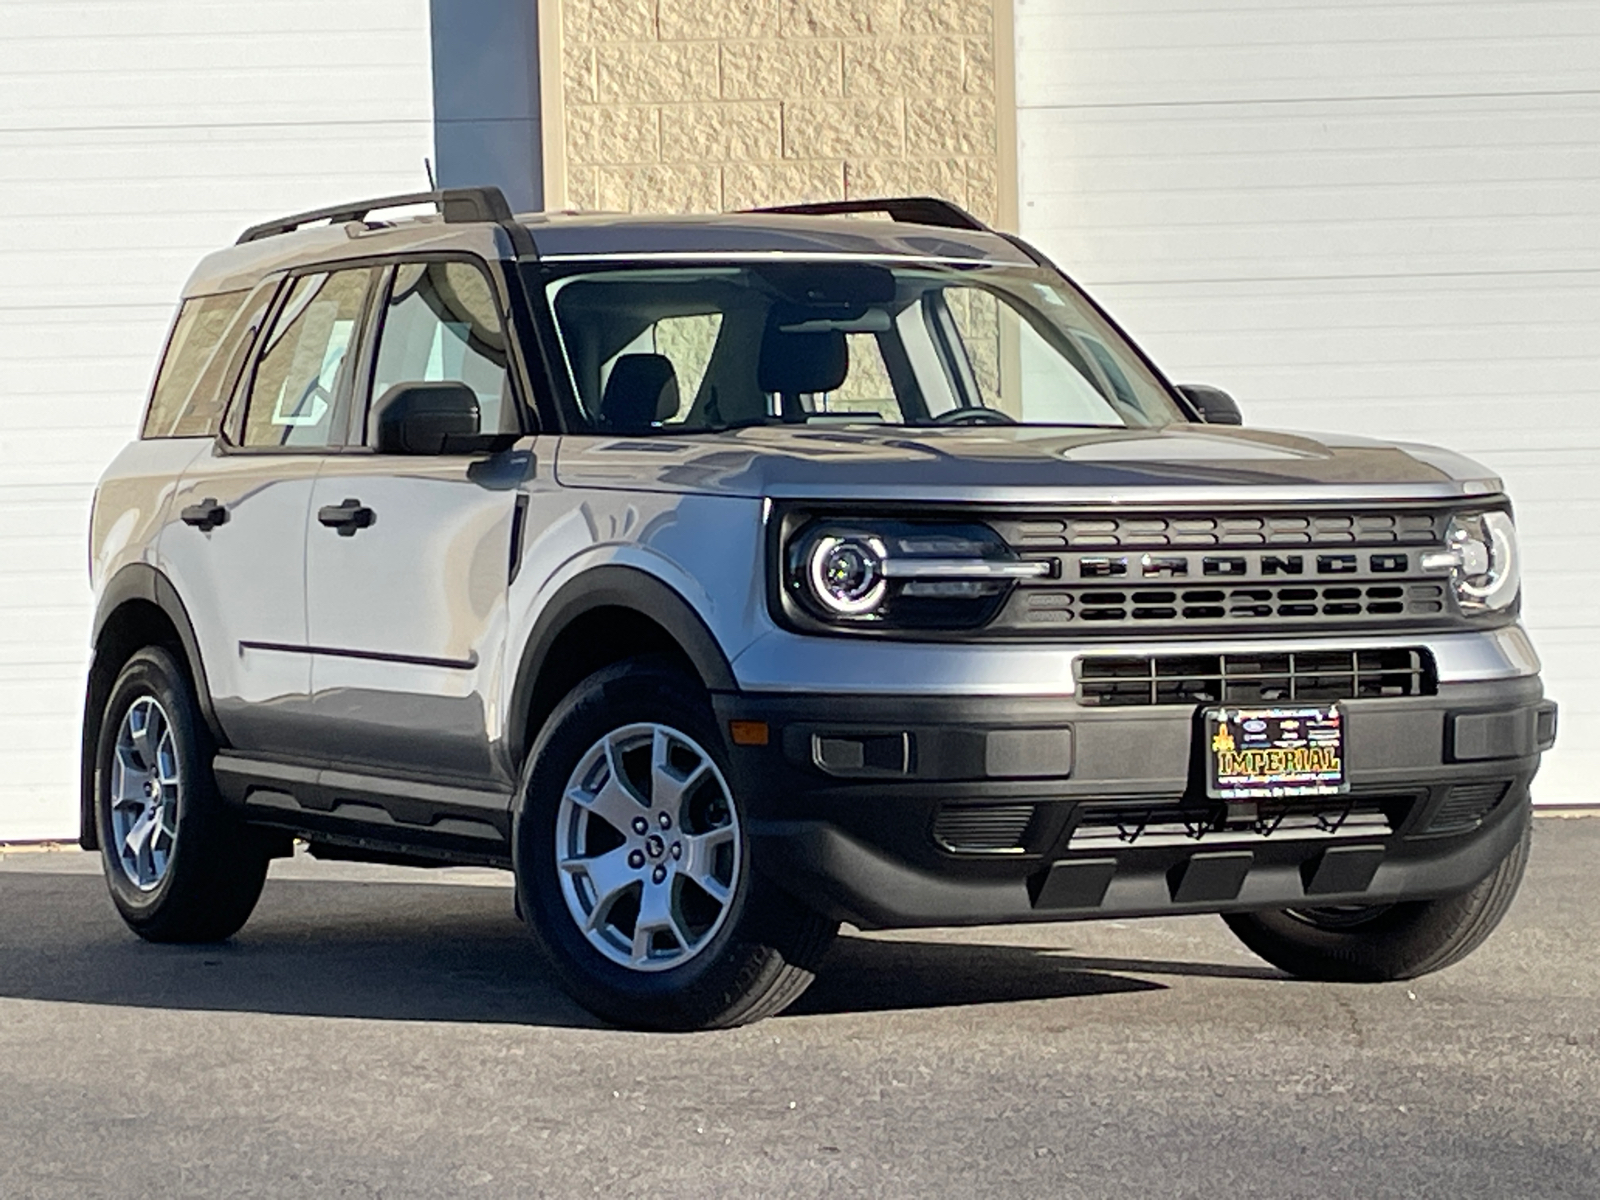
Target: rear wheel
x,y
634,868
181,868
1377,943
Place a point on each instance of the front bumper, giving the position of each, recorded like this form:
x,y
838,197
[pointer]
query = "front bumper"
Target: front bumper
x,y
893,811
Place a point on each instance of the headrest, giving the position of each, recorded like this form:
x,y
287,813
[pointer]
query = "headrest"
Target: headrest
x,y
792,363
642,389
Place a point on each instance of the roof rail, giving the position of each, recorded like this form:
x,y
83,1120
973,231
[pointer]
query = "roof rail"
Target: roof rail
x,y
458,206
916,210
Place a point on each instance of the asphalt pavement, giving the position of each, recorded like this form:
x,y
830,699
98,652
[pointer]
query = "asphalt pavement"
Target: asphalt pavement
x,y
381,1032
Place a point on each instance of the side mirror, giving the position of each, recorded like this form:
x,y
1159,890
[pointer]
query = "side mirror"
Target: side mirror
x,y
1214,405
432,418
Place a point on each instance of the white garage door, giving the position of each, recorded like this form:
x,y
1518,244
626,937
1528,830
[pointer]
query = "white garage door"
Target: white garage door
x,y
1374,217
135,135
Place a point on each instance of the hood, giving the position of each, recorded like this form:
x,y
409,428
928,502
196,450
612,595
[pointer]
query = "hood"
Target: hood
x,y
1021,464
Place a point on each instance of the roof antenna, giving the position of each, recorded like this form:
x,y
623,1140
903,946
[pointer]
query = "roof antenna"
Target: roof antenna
x,y
428,167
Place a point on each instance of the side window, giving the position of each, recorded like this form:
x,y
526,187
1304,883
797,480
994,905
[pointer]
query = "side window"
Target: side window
x,y
441,324
306,361
187,401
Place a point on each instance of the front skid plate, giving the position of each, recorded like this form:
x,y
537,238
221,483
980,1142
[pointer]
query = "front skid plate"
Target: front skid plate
x,y
847,879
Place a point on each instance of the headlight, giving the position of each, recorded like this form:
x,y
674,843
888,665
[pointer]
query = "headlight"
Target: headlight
x,y
903,573
1482,560
846,573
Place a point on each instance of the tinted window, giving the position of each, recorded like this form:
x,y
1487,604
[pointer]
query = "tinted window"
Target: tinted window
x,y
306,361
439,325
717,346
188,399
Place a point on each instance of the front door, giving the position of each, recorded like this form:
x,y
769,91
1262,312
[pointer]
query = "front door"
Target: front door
x,y
409,557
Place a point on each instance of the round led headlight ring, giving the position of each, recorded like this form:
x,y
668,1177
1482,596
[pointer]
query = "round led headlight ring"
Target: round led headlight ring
x,y
1489,574
846,573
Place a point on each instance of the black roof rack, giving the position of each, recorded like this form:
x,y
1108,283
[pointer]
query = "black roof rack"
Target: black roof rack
x,y
458,206
916,210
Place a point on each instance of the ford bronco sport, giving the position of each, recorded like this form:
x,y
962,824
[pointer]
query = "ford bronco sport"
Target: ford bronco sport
x,y
730,577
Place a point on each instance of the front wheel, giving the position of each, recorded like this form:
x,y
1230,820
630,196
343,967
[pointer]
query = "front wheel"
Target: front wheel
x,y
1379,943
633,863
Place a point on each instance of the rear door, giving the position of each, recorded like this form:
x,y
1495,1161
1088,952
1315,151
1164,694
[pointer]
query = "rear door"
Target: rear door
x,y
234,546
406,608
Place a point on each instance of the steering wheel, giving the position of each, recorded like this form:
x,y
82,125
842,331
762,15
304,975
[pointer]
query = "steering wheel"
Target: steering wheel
x,y
974,415
314,391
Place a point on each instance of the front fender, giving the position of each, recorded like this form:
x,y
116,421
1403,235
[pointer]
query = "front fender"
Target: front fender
x,y
612,585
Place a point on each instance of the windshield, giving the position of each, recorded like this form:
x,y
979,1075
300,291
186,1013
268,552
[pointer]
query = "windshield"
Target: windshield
x,y
718,346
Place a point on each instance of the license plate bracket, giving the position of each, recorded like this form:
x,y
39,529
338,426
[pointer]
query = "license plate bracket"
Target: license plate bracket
x,y
1276,752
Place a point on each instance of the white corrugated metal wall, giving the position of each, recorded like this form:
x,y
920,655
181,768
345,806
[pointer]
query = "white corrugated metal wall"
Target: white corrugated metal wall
x,y
1374,217
135,135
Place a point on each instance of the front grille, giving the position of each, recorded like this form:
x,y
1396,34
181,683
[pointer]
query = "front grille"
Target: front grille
x,y
1466,805
1233,605
982,828
1249,678
1110,531
1322,817
1176,571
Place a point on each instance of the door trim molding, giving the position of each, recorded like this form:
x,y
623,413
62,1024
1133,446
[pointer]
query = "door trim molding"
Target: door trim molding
x,y
411,660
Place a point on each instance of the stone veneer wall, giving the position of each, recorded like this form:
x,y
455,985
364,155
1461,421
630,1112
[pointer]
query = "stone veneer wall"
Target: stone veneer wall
x,y
697,105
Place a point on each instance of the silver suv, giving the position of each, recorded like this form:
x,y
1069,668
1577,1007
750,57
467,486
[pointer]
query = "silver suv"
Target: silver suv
x,y
730,577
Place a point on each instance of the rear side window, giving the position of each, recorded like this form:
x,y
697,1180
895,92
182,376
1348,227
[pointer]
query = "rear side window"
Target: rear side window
x,y
305,362
188,397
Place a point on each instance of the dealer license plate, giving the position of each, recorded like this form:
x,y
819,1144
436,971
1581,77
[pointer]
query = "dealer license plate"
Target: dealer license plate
x,y
1270,753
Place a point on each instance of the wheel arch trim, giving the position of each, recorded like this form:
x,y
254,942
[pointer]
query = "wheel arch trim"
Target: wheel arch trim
x,y
134,583
611,585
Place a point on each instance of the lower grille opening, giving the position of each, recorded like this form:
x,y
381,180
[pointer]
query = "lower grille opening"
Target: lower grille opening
x,y
1467,804
1246,678
1122,826
983,828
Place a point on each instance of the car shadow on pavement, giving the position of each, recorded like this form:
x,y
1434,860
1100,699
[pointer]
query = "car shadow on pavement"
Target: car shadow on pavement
x,y
878,974
427,952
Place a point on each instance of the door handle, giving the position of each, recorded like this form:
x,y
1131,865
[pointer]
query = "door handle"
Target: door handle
x,y
206,515
347,517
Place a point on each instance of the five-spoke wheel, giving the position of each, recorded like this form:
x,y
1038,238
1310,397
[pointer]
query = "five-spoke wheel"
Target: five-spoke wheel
x,y
181,866
634,861
647,842
144,786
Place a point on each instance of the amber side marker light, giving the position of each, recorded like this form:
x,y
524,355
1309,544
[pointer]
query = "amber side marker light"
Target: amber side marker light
x,y
748,733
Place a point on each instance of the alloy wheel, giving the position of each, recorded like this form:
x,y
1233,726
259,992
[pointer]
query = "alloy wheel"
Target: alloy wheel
x,y
648,847
144,788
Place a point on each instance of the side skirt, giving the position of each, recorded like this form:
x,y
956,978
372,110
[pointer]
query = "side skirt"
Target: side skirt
x,y
370,817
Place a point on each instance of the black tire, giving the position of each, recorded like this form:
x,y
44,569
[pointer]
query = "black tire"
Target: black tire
x,y
762,950
1386,942
216,865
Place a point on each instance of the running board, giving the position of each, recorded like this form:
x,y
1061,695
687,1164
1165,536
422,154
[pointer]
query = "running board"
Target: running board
x,y
379,813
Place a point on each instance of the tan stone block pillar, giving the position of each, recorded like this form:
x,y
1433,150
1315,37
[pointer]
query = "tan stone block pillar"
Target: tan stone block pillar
x,y
696,105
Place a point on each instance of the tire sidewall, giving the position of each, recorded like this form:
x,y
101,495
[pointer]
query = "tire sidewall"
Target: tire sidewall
x,y
609,700
154,673
1408,939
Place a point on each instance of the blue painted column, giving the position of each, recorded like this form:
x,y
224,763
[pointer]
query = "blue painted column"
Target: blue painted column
x,y
486,124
